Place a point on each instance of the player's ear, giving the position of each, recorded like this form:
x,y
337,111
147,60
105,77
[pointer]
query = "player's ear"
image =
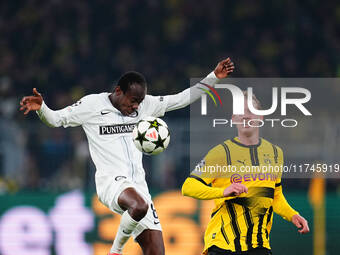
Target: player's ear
x,y
118,91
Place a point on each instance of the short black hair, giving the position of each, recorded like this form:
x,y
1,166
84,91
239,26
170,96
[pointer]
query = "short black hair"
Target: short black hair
x,y
130,78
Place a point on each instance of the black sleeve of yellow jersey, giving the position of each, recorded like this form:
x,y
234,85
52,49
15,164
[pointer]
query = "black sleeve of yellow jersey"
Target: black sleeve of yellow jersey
x,y
197,188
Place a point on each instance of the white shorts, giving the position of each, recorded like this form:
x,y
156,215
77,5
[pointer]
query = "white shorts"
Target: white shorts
x,y
109,189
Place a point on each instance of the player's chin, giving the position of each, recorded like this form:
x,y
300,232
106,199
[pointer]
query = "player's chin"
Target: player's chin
x,y
127,112
247,130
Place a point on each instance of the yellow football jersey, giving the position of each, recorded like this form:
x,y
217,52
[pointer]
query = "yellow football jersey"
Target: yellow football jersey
x,y
243,222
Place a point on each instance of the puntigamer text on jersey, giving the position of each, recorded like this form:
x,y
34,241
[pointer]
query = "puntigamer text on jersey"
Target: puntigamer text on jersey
x,y
116,129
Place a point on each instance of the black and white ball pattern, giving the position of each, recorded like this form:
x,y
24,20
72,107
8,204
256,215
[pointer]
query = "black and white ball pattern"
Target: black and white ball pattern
x,y
151,135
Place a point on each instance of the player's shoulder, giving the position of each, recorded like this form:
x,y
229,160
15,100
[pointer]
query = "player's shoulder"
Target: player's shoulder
x,y
90,103
152,99
273,146
152,104
216,151
93,99
216,155
221,147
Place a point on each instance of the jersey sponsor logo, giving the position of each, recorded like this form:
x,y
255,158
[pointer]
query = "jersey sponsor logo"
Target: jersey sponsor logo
x,y
104,112
119,177
237,178
116,129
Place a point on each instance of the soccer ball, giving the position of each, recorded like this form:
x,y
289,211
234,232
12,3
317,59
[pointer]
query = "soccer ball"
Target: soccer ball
x,y
151,135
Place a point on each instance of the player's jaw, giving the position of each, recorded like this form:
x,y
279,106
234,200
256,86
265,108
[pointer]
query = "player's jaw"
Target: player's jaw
x,y
128,107
127,103
130,104
128,110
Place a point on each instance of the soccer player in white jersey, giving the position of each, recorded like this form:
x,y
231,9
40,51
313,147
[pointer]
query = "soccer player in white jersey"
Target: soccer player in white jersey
x,y
108,120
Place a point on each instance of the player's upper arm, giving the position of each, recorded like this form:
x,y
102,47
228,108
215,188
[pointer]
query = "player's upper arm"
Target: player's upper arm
x,y
196,187
78,113
280,204
157,105
154,105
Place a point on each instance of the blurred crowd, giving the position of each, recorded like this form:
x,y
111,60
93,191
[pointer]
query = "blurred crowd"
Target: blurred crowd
x,y
67,49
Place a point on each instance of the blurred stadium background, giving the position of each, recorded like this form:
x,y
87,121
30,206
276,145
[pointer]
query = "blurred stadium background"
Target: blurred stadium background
x,y
67,49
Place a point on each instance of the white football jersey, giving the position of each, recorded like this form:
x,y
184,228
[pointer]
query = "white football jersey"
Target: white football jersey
x,y
109,132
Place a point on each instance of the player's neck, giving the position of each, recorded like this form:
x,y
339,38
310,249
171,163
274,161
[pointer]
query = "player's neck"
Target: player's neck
x,y
251,139
114,101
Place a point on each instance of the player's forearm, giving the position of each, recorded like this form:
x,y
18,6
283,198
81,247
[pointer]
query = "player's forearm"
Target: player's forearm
x,y
190,95
281,206
49,117
196,189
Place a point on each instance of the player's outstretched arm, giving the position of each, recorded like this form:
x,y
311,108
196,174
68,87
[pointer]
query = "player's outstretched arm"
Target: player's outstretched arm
x,y
70,116
223,69
196,187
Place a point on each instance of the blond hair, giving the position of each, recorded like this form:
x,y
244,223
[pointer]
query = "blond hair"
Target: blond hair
x,y
257,102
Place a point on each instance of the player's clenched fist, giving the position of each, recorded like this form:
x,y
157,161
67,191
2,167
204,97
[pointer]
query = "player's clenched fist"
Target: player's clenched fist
x,y
224,68
235,189
31,103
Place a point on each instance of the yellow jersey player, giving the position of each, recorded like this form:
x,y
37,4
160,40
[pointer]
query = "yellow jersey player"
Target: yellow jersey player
x,y
245,199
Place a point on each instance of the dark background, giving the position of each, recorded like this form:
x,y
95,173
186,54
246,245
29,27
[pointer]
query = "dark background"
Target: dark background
x,y
67,49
